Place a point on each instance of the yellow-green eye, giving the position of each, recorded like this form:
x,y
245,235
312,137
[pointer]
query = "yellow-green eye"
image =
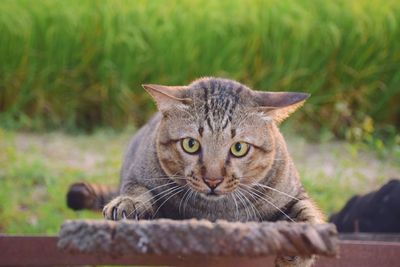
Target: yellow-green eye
x,y
239,149
190,145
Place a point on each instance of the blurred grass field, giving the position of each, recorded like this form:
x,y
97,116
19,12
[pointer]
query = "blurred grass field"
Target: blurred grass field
x,y
77,65
70,94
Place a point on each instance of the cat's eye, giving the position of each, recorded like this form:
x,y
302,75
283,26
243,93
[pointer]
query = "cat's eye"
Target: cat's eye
x,y
190,145
240,149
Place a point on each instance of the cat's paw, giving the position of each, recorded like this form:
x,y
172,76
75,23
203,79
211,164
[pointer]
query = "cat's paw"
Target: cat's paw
x,y
126,207
294,261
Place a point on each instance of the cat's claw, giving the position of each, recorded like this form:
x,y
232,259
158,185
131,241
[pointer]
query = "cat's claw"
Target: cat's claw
x,y
114,214
125,207
124,217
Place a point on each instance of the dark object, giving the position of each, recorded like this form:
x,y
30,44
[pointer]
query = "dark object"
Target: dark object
x,y
198,238
377,212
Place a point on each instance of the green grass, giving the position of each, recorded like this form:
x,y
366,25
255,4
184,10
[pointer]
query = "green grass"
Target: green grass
x,y
36,170
79,64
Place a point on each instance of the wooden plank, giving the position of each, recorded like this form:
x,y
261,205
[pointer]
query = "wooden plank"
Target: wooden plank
x,y
370,237
354,253
42,251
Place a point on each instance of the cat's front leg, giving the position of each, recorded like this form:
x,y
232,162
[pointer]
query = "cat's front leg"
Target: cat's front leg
x,y
137,205
302,211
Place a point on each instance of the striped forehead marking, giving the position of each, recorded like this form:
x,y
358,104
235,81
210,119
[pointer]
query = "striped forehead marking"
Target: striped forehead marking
x,y
220,98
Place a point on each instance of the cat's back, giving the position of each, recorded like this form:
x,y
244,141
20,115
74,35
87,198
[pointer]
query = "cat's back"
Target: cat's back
x,y
142,146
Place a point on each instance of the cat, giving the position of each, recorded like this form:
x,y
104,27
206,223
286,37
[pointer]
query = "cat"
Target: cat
x,y
214,151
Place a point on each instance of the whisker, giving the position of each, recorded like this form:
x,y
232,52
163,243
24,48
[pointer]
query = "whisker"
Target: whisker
x,y
271,203
155,188
276,190
175,175
173,194
153,197
167,178
251,195
194,196
186,201
269,187
162,194
244,205
236,205
254,209
183,197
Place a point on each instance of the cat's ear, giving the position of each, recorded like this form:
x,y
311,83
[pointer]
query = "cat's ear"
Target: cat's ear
x,y
167,97
279,105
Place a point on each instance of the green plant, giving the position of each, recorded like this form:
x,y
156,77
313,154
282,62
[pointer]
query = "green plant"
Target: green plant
x,y
79,64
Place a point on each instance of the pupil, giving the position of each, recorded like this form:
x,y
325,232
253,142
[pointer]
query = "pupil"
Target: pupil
x,y
191,143
238,146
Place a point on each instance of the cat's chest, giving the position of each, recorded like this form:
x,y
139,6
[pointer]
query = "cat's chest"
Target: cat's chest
x,y
196,207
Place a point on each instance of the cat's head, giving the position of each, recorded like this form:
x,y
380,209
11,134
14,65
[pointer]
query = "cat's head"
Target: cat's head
x,y
217,134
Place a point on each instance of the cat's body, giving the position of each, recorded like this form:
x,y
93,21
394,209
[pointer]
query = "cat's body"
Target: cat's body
x,y
141,167
214,151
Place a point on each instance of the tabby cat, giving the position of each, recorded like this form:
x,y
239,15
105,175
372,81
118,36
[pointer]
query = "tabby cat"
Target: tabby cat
x,y
214,151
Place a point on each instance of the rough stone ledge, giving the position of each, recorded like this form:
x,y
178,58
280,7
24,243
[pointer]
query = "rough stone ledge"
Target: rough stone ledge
x,y
198,237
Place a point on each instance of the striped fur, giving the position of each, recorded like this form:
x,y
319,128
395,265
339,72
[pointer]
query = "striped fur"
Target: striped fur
x,y
89,196
159,179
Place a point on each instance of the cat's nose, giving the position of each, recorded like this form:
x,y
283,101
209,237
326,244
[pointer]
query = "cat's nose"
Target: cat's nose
x,y
212,183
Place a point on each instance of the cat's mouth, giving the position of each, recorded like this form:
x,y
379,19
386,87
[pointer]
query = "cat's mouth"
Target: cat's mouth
x,y
207,192
212,194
